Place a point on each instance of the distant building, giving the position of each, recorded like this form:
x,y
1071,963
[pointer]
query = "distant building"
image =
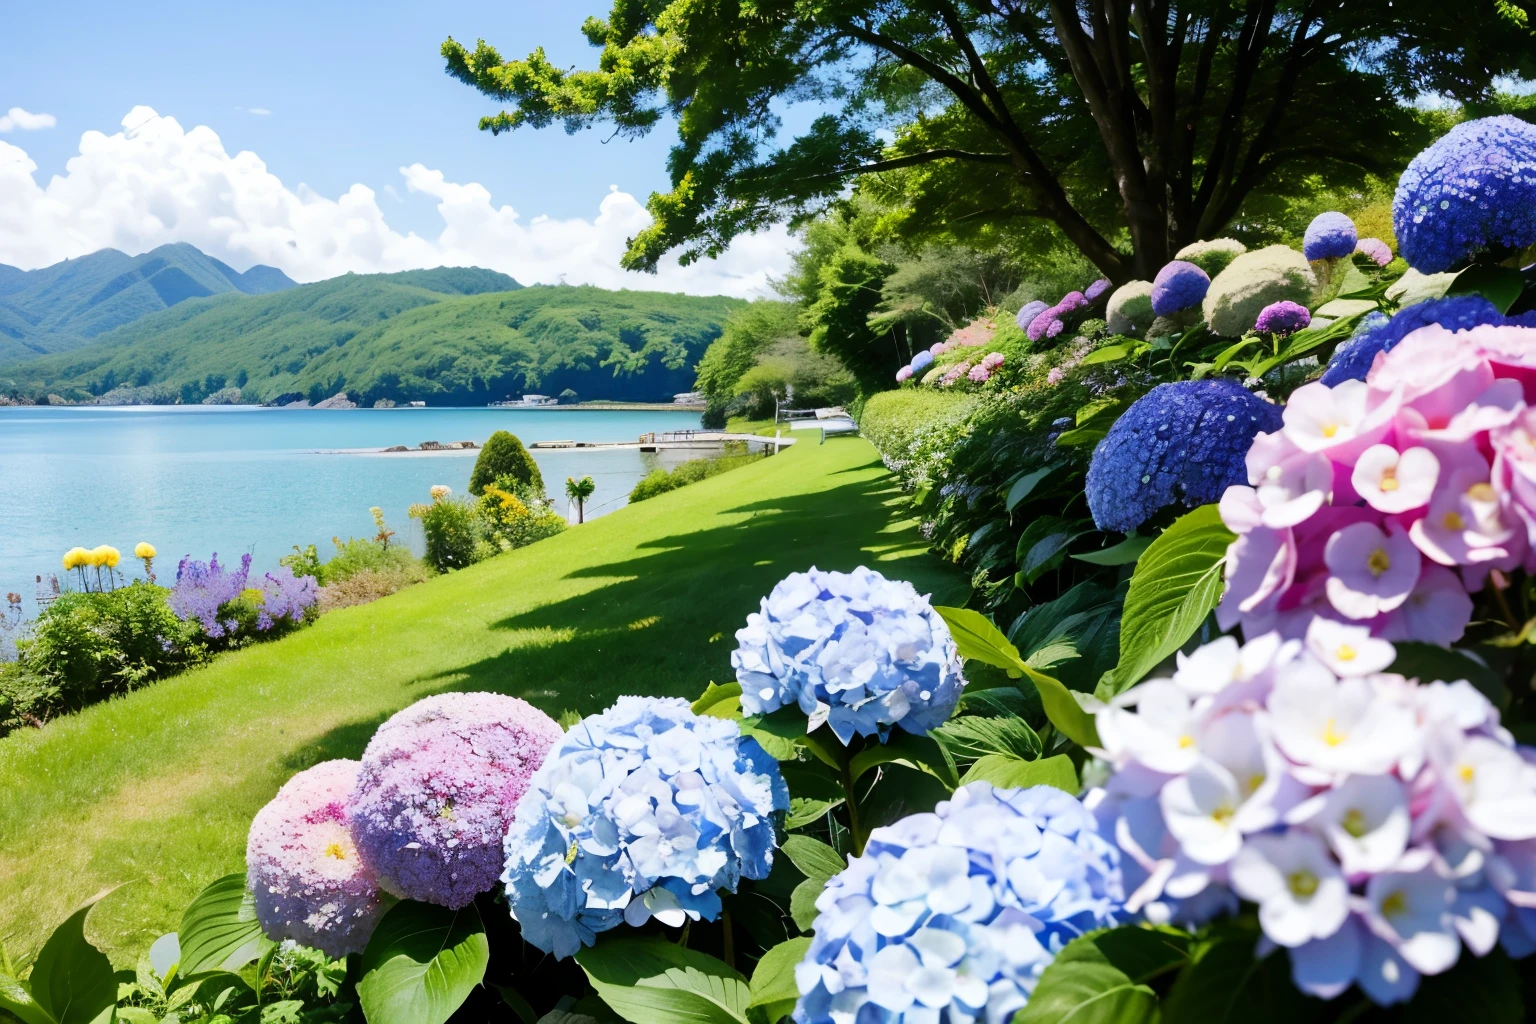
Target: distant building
x,y
415,405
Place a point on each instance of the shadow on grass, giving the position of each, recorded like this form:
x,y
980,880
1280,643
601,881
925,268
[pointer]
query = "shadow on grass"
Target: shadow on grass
x,y
344,741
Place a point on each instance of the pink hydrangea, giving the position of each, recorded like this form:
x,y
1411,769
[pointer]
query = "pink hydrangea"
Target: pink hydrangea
x,y
954,373
303,865
904,374
980,373
992,360
1376,249
977,332
438,787
1385,502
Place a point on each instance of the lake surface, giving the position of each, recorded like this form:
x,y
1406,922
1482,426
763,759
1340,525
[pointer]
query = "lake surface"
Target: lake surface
x,y
199,479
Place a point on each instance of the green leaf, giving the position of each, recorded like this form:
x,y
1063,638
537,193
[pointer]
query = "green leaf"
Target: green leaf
x,y
1053,652
72,981
803,811
802,902
1082,986
1114,353
971,736
517,1004
976,637
773,981
779,733
1124,553
719,701
1499,285
218,929
421,963
1012,773
1001,702
918,752
651,981
1177,583
1043,545
1081,435
1224,984
1025,485
814,858
1485,989
16,1000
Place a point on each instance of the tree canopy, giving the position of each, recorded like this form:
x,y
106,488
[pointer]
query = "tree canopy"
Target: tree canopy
x,y
1130,126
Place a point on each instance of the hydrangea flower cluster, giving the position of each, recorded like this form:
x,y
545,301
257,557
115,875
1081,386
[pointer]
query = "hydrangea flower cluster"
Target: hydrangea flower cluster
x,y
1212,256
437,790
1378,251
904,374
983,371
1330,236
1129,310
1029,311
1093,291
1182,442
1252,281
1284,317
303,866
285,596
1384,502
1052,321
1378,333
1379,825
955,373
202,588
978,332
1472,191
1177,287
856,651
646,810
952,916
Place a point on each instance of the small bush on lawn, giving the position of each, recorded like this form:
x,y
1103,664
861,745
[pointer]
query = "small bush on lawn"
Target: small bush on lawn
x,y
451,530
513,521
504,456
372,583
660,481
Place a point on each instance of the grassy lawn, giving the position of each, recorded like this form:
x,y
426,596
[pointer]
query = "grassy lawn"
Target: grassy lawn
x,y
156,790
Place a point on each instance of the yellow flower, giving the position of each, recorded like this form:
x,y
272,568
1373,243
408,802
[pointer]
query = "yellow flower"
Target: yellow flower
x,y
144,549
106,555
440,492
76,557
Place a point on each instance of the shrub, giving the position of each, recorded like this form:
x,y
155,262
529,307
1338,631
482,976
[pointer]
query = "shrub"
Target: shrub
x,y
1252,281
451,531
504,456
513,522
659,481
892,418
370,584
357,554
1130,308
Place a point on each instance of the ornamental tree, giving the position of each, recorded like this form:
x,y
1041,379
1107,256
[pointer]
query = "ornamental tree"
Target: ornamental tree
x,y
1142,121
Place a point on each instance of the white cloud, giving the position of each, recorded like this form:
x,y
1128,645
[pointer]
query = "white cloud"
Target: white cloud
x,y
27,122
158,183
259,111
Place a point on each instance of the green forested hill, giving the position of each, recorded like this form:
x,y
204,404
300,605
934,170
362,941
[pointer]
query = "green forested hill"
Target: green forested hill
x,y
64,306
445,336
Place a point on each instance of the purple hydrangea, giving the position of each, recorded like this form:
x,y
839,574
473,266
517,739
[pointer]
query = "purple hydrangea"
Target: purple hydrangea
x,y
1184,442
285,596
1283,317
438,788
1178,286
1093,291
1330,236
1052,321
1029,312
1472,191
904,374
303,866
1379,252
1376,333
202,588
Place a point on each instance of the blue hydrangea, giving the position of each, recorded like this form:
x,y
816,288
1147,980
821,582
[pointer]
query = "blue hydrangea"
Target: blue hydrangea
x,y
856,650
952,916
1182,442
1471,191
1178,286
1330,236
1031,310
646,810
1376,333
921,360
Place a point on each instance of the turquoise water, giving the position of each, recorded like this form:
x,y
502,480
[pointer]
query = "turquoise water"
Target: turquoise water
x,y
195,480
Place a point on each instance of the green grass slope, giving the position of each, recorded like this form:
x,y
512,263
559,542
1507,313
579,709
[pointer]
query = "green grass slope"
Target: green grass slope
x,y
448,337
157,789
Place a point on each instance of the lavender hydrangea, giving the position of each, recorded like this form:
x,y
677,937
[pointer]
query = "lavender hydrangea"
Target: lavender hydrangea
x,y
645,810
1471,191
1052,321
1177,287
303,866
1377,333
439,785
1099,287
904,374
953,916
1028,313
1181,443
202,588
1330,236
1378,251
285,596
1283,317
856,650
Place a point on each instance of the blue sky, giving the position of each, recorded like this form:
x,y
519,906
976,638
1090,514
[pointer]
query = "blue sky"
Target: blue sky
x,y
352,94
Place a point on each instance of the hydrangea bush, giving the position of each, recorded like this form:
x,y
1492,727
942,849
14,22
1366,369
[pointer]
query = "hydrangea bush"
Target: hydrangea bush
x,y
856,651
646,810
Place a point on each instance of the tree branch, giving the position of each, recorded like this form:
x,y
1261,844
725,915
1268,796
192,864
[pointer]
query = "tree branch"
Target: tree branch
x,y
899,162
1223,157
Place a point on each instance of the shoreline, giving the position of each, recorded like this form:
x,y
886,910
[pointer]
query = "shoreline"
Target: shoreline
x,y
598,406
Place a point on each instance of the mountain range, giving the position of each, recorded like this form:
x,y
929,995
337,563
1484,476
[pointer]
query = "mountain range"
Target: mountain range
x,y
446,336
62,307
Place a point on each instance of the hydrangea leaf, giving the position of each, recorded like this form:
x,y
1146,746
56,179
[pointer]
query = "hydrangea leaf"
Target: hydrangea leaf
x,y
719,701
1008,772
1083,986
978,638
1499,285
1486,989
814,858
971,737
17,1001
918,752
1124,553
72,981
802,902
422,963
1177,583
773,981
219,929
651,981
1225,984
1025,485
803,811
